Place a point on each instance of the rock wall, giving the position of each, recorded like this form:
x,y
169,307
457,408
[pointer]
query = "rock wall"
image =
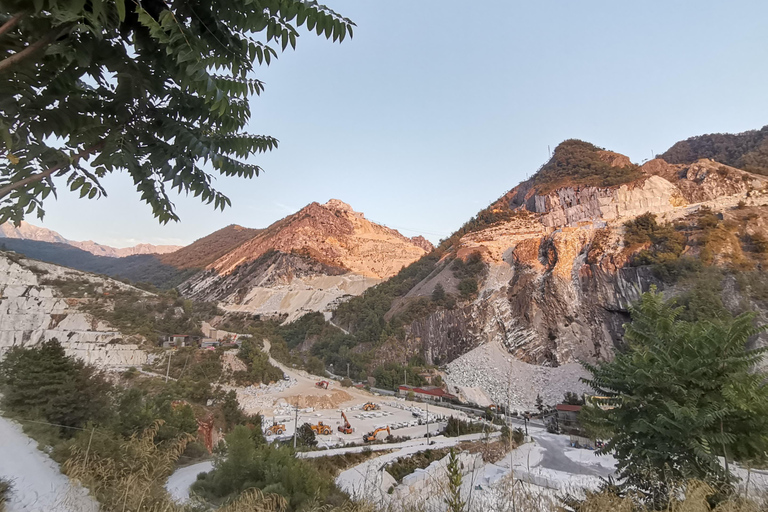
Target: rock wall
x,y
31,312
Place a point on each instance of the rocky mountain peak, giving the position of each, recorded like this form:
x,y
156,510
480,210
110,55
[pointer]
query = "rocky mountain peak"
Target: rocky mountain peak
x,y
336,204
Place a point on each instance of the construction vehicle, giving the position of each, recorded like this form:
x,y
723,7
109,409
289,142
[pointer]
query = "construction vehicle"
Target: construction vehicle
x,y
322,384
370,406
321,429
346,428
276,429
371,436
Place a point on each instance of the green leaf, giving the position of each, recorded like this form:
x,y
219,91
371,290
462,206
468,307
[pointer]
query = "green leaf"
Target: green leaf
x,y
120,4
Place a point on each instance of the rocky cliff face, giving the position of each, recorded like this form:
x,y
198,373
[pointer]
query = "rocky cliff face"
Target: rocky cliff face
x,y
305,262
26,231
558,285
33,310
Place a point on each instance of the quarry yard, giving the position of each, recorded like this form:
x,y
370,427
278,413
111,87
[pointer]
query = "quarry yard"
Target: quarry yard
x,y
278,402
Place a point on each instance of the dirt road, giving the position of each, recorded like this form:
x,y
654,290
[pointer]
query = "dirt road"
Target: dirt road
x,y
38,485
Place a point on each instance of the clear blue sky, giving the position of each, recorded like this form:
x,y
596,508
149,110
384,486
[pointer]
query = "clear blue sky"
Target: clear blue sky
x,y
436,108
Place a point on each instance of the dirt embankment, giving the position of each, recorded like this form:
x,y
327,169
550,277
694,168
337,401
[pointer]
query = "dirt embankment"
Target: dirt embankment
x,y
332,400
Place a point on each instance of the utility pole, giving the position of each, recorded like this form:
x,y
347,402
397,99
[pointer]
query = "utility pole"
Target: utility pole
x,y
509,394
427,423
405,376
347,370
168,370
296,425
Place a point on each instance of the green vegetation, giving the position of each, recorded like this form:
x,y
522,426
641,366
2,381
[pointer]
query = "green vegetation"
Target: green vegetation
x,y
453,494
364,315
42,382
403,466
249,463
259,368
577,163
6,488
747,150
457,427
158,90
393,375
154,317
665,243
687,392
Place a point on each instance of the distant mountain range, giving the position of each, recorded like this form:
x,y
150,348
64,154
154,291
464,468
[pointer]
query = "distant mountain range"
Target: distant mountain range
x,y
26,231
307,261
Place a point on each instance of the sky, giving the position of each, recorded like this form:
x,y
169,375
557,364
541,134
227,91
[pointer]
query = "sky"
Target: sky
x,y
436,108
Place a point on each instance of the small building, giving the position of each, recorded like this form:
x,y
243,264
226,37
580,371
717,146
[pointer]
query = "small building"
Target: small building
x,y
568,417
181,340
426,393
209,343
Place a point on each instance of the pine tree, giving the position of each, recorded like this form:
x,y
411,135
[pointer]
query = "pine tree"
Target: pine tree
x,y
684,394
539,404
453,498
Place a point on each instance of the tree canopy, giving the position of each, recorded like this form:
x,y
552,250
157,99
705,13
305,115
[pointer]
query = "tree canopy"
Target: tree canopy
x,y
154,88
684,394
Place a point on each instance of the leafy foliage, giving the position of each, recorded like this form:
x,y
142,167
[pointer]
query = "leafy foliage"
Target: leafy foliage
x,y
259,368
457,427
686,393
747,150
453,499
393,375
42,381
157,89
403,466
665,243
578,163
152,316
272,470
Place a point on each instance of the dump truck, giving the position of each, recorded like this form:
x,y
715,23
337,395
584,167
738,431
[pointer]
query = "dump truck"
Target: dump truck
x,y
371,436
346,428
370,406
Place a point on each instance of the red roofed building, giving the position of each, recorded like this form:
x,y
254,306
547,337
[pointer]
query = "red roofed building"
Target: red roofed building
x,y
426,393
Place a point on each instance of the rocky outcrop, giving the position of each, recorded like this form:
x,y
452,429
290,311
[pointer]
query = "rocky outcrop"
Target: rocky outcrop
x,y
558,285
33,311
278,284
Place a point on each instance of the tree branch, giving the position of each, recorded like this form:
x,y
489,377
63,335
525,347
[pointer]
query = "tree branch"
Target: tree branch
x,y
32,48
4,191
8,25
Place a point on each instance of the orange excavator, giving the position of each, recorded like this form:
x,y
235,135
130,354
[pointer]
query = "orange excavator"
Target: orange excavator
x,y
370,406
322,384
371,436
321,429
346,428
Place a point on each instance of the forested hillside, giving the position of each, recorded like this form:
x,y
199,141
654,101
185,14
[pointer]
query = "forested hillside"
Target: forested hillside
x,y
747,150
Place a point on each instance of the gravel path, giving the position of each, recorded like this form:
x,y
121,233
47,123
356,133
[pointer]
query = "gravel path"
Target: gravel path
x,y
179,482
38,485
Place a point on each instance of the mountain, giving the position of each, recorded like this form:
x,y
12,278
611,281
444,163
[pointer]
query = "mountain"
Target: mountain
x,y
26,231
747,150
544,277
307,261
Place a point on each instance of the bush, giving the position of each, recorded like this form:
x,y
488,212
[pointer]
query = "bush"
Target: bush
x,y
406,465
5,492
